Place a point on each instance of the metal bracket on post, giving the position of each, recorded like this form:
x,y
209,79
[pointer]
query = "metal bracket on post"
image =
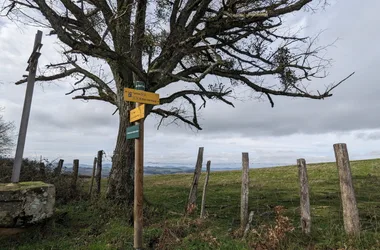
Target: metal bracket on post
x,y
32,68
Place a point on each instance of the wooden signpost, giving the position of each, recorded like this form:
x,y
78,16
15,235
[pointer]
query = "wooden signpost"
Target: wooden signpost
x,y
136,132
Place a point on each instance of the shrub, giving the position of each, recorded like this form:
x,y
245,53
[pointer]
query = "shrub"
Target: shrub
x,y
6,135
270,236
43,170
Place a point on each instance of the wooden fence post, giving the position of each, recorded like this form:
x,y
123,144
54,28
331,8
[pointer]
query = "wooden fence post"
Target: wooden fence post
x,y
304,197
99,172
58,170
191,204
42,169
75,175
350,209
244,191
203,211
93,175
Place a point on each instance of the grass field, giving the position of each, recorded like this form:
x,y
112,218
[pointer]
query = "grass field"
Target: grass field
x,y
102,225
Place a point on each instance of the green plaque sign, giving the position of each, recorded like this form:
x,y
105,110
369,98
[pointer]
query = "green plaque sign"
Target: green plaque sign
x,y
139,85
133,132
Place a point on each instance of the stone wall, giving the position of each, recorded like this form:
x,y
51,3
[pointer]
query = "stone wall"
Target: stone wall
x,y
25,203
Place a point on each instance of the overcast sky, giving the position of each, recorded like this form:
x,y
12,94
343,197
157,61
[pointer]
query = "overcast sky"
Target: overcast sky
x,y
60,127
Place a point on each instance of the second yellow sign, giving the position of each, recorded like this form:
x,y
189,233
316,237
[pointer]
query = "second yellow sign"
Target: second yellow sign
x,y
137,113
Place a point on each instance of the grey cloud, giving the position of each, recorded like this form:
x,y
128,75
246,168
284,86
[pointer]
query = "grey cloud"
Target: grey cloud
x,y
375,153
368,136
292,116
75,119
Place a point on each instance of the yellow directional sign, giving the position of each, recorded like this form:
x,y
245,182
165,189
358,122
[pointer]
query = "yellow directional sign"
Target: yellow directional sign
x,y
133,95
137,113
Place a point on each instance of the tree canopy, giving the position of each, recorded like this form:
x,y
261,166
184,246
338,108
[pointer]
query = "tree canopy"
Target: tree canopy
x,y
164,42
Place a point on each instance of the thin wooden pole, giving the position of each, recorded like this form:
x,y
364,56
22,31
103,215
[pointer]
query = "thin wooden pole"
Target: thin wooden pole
x,y
93,175
248,226
139,185
350,209
99,172
203,211
32,68
192,201
304,197
244,191
75,175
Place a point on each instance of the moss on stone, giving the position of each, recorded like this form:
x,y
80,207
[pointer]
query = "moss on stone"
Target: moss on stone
x,y
22,186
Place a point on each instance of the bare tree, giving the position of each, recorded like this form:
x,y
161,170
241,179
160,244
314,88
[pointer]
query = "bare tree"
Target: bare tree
x,y
6,139
209,46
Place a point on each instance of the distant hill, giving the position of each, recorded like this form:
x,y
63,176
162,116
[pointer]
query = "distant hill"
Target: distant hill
x,y
163,169
148,170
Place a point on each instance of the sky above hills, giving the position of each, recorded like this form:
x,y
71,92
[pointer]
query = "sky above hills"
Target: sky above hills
x,y
60,127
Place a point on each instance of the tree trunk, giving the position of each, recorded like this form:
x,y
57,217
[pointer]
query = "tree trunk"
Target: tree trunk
x,y
120,184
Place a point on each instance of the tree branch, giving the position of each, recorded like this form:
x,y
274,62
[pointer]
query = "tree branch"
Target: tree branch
x,y
208,94
177,116
87,98
51,77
